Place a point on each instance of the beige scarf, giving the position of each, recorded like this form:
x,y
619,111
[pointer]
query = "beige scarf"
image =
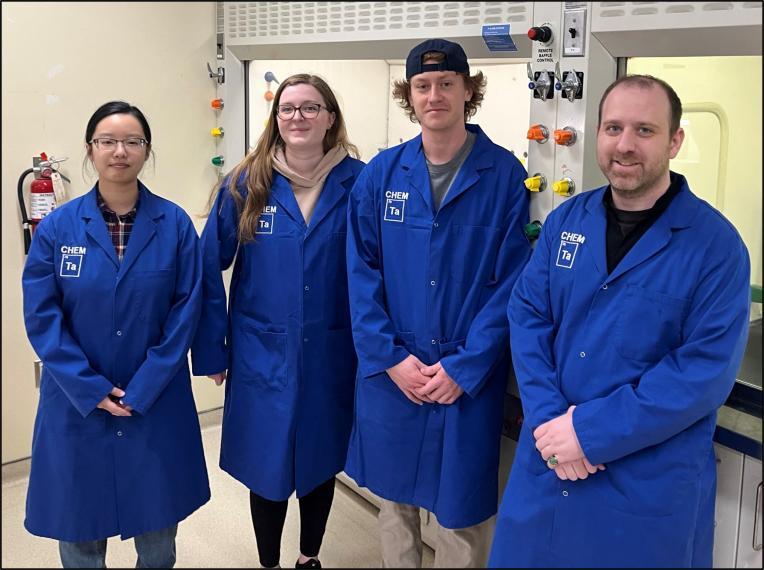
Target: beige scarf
x,y
307,189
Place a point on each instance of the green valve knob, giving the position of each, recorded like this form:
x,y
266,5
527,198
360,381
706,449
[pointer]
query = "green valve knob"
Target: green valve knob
x,y
756,293
532,230
218,160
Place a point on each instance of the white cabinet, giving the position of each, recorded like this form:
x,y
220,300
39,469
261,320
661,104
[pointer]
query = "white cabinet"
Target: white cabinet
x,y
729,472
738,518
749,536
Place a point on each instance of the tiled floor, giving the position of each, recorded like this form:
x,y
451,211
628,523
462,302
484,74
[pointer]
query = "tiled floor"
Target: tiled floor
x,y
219,535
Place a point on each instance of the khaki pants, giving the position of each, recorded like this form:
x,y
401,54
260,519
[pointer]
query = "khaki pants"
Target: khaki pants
x,y
402,544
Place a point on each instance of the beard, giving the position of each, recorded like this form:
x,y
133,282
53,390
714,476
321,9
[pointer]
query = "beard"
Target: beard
x,y
640,182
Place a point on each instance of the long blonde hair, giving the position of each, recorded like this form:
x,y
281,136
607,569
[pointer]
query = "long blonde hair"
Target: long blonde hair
x,y
258,164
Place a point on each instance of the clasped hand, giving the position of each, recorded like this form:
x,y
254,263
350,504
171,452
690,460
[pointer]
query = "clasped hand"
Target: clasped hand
x,y
113,404
424,384
558,437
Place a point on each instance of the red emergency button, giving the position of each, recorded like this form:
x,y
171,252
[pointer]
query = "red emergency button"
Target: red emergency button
x,y
538,133
540,34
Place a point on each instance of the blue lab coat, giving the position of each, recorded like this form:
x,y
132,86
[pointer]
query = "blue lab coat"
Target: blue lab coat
x,y
647,353
286,339
96,323
435,285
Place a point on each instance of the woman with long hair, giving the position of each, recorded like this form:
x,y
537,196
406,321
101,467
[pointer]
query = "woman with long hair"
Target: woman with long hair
x,y
284,345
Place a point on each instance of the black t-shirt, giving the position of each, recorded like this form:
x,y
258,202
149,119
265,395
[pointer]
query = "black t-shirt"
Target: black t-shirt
x,y
624,228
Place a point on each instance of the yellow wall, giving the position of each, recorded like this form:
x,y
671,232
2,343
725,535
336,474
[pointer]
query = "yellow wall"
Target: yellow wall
x,y
734,83
60,62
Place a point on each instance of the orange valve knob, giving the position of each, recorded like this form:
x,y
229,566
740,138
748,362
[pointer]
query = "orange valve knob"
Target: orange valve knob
x,y
216,104
538,133
268,95
566,136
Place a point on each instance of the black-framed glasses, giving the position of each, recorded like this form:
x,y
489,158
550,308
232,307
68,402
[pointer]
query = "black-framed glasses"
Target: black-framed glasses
x,y
307,110
105,143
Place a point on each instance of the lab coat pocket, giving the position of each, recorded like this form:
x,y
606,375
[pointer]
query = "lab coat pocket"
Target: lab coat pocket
x,y
260,357
649,324
473,253
406,340
154,291
447,348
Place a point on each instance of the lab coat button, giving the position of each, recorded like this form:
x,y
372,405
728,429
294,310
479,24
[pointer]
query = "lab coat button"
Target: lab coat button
x,y
434,341
119,433
307,288
582,354
604,286
564,493
435,225
119,333
432,283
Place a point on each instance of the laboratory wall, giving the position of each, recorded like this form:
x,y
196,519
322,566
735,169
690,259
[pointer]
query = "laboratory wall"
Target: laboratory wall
x,y
719,93
61,60
375,121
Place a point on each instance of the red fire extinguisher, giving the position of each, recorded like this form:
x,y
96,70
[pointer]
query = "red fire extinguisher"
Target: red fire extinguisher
x,y
42,200
46,192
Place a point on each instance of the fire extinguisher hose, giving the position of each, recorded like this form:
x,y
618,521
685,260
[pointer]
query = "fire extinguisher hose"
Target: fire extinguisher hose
x,y
24,218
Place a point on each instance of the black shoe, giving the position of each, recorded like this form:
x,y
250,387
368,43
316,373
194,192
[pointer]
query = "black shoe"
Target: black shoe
x,y
310,563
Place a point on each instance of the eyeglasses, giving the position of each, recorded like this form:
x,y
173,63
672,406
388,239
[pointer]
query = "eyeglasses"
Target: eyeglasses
x,y
307,110
134,144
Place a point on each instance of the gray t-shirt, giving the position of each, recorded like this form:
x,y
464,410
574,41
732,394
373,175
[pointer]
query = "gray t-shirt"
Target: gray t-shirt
x,y
443,175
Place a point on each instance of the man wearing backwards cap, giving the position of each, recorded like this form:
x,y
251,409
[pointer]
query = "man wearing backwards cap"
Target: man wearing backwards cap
x,y
435,243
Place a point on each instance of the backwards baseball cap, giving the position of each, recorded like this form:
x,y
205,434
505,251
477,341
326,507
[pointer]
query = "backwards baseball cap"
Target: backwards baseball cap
x,y
455,58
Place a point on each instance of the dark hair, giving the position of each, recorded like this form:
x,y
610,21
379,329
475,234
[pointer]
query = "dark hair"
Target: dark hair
x,y
476,83
647,82
116,108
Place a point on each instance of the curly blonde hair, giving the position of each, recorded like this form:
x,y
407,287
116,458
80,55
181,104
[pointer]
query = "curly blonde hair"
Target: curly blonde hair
x,y
476,83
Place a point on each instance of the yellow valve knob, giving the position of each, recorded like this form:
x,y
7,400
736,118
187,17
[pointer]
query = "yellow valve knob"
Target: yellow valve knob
x,y
566,136
217,132
564,187
535,183
538,133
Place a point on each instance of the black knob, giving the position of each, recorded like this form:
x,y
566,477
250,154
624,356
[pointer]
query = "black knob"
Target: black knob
x,y
573,32
540,34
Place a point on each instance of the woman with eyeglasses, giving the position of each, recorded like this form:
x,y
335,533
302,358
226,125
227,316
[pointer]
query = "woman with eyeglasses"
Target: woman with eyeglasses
x,y
112,295
284,345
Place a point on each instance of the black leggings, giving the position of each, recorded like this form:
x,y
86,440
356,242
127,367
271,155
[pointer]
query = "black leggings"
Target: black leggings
x,y
268,520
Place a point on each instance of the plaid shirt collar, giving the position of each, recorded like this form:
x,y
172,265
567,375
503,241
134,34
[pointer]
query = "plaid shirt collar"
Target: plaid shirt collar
x,y
110,215
119,226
